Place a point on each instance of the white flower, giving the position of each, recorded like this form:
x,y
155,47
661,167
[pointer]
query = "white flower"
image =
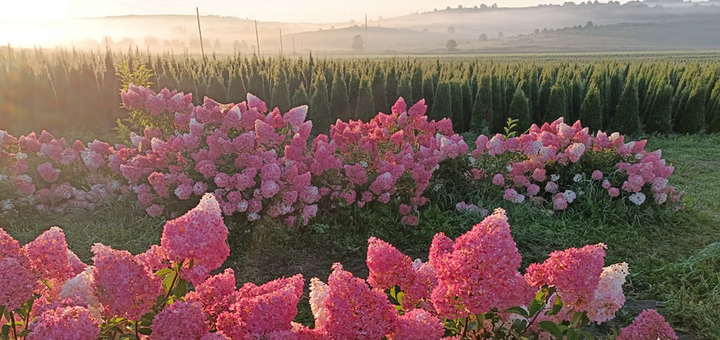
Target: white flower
x,y
318,293
25,178
554,177
417,264
3,178
253,217
638,156
364,164
436,167
7,205
472,160
2,136
577,178
509,168
569,196
637,198
21,155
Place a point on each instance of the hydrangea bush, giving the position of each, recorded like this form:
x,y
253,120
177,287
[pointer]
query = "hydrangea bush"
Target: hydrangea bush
x,y
552,163
471,288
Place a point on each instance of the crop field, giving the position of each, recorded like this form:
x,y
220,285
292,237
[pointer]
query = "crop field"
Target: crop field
x,y
529,188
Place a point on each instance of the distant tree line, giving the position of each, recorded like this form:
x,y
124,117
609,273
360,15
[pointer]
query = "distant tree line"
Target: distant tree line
x,y
72,91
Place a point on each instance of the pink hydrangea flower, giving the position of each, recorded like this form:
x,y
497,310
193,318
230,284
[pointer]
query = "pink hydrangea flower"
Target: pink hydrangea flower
x,y
48,255
597,175
498,179
199,236
574,272
648,325
608,297
388,266
418,324
126,298
48,173
179,321
64,323
479,271
216,295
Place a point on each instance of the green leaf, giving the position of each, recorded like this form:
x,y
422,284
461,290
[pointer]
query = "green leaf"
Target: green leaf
x,y
587,335
576,318
519,311
145,331
535,306
168,281
181,288
400,297
551,328
127,337
557,306
163,272
573,334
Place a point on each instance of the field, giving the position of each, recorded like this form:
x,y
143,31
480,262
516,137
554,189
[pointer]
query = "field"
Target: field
x,y
673,255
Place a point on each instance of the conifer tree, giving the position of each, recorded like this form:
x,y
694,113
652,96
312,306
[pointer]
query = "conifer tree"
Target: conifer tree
x,y
236,88
280,91
627,116
417,83
405,89
365,110
499,115
456,115
692,118
339,102
482,110
520,110
353,91
660,112
442,108
379,91
216,90
557,105
428,91
467,105
300,97
391,87
543,101
713,111
591,112
319,110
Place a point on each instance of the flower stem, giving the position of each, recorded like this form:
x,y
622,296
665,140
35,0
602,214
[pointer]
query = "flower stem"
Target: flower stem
x,y
12,322
467,322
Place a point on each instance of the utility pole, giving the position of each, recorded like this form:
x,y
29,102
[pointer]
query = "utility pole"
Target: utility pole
x,y
281,46
366,30
257,39
293,44
202,48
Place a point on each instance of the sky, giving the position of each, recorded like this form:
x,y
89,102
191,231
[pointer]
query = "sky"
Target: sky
x,y
318,11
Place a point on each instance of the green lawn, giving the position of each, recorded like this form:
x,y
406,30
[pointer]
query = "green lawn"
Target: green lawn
x,y
672,258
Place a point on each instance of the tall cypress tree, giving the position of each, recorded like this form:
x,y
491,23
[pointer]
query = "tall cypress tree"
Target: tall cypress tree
x,y
365,110
319,111
499,116
339,102
391,87
428,91
417,83
557,105
353,91
591,112
482,110
256,84
520,110
692,118
236,88
216,90
660,112
578,91
281,91
405,88
627,116
442,108
467,105
300,97
379,90
457,116
713,111
543,101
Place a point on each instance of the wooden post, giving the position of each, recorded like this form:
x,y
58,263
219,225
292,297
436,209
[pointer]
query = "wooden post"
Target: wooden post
x,y
202,48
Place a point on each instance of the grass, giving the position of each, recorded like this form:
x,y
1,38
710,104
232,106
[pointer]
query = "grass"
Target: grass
x,y
673,257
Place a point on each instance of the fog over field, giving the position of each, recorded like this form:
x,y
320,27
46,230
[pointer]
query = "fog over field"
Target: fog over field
x,y
581,27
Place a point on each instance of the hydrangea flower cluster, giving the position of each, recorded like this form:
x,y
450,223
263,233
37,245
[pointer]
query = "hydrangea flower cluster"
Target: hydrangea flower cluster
x,y
391,157
255,162
548,164
476,273
51,176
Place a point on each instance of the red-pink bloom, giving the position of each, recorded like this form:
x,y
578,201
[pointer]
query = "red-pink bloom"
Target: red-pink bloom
x,y
575,151
123,283
64,323
200,237
180,321
48,255
418,324
574,272
270,307
216,295
608,297
597,175
559,201
354,311
648,325
388,266
613,192
48,173
479,271
498,179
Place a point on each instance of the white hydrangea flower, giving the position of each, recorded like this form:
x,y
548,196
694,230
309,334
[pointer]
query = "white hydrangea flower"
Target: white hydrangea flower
x,y
318,293
554,177
7,205
364,164
21,155
577,178
3,178
509,168
472,160
569,196
637,198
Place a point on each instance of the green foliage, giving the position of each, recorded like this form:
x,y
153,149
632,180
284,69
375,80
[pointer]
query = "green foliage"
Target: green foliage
x,y
520,110
692,118
339,101
300,97
499,115
627,117
467,106
405,89
379,89
281,91
557,104
319,111
660,115
457,114
482,109
442,106
591,112
365,109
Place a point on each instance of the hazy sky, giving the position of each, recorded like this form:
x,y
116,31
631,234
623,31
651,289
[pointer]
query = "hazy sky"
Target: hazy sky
x,y
321,11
